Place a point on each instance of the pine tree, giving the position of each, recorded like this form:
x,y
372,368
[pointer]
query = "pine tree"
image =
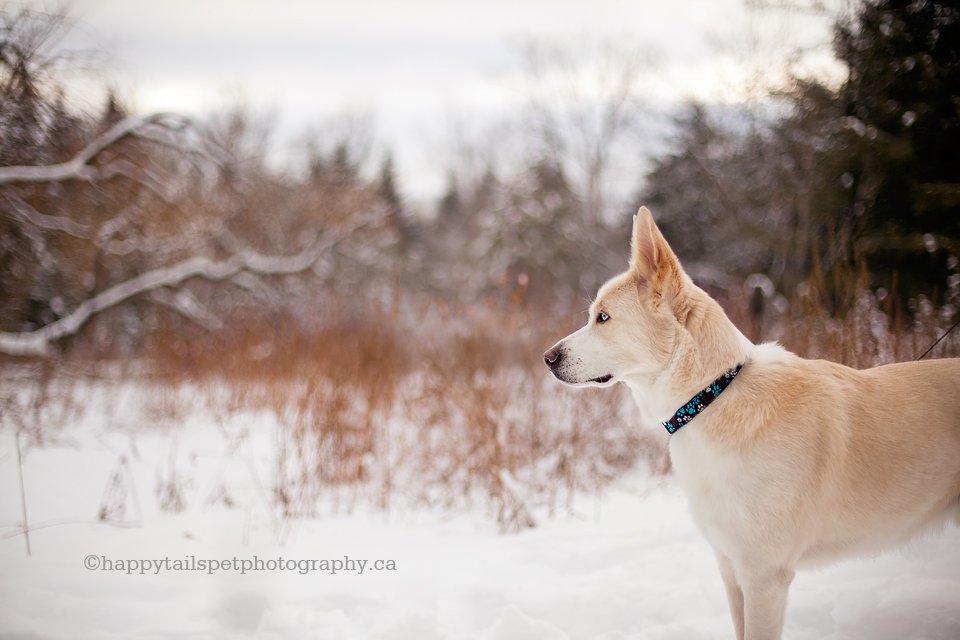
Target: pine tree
x,y
865,172
902,115
388,186
113,111
450,206
390,196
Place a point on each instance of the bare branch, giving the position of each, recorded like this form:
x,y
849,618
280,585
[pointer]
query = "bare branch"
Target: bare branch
x,y
37,342
155,127
40,249
43,221
187,305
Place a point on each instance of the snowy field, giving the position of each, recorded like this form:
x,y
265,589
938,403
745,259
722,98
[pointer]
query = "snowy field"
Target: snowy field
x,y
626,564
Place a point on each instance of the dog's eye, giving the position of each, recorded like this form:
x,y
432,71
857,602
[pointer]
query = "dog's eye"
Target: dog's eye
x,y
602,317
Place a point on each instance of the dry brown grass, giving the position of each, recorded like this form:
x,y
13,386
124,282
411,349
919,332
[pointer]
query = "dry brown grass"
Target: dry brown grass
x,y
452,407
449,409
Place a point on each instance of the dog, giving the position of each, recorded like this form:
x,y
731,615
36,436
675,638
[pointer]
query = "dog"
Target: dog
x,y
786,462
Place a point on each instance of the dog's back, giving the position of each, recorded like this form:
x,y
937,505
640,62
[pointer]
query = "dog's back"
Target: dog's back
x,y
903,444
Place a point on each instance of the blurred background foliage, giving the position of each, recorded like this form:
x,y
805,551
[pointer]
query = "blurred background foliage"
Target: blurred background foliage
x,y
826,216
831,177
815,179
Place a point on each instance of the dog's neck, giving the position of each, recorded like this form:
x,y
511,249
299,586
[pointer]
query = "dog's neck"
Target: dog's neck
x,y
710,345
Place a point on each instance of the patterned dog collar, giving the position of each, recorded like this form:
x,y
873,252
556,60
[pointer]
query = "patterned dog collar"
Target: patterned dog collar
x,y
701,401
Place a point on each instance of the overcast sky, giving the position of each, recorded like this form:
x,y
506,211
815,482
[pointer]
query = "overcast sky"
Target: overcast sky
x,y
415,66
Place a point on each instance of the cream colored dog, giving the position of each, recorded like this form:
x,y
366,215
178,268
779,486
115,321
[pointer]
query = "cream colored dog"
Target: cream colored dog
x,y
798,461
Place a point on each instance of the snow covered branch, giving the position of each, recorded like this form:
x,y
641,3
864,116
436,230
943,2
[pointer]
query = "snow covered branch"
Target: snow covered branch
x,y
187,305
37,342
47,222
157,128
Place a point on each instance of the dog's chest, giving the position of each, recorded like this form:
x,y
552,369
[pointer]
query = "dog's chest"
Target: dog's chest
x,y
716,486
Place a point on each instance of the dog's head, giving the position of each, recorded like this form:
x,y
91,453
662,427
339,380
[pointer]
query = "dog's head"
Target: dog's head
x,y
636,320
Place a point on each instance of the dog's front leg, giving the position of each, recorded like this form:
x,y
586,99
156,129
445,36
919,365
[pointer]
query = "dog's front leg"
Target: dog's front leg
x,y
734,593
764,601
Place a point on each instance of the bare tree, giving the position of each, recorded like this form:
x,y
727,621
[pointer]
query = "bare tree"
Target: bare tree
x,y
140,206
585,102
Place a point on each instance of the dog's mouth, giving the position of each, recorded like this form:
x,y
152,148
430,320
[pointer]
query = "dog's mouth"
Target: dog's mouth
x,y
598,380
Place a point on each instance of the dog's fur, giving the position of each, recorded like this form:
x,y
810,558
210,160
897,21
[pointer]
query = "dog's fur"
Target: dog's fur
x,y
798,461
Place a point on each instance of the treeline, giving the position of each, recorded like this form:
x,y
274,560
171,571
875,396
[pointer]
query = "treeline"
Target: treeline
x,y
103,217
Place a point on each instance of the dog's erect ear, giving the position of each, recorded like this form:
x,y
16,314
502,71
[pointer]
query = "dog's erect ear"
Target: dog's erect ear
x,y
651,258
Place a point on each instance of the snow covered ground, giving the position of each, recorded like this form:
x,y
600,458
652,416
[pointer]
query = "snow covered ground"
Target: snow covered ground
x,y
627,565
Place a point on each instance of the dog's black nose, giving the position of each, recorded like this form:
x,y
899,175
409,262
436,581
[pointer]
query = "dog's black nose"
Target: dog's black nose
x,y
552,357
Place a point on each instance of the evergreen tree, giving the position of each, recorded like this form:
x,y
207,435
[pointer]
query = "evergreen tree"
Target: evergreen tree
x,y
867,171
343,167
113,111
388,186
450,207
390,196
902,115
